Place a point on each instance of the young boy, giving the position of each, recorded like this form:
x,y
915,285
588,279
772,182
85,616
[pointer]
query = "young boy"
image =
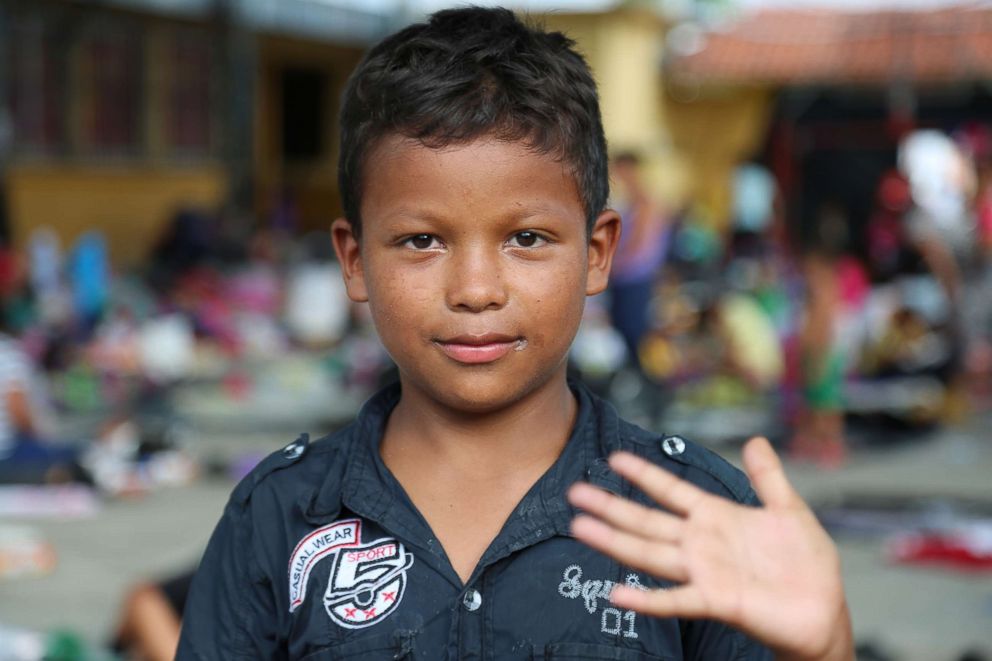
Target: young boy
x,y
437,526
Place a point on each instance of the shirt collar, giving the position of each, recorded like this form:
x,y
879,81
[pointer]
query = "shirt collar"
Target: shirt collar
x,y
368,488
594,436
361,480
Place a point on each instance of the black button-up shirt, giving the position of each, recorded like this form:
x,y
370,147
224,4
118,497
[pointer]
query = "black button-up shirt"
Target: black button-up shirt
x,y
320,554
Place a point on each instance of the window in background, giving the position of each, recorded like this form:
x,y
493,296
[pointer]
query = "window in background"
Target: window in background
x,y
109,78
34,87
188,130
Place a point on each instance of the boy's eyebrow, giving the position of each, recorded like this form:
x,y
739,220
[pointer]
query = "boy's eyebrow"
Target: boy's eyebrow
x,y
410,213
517,213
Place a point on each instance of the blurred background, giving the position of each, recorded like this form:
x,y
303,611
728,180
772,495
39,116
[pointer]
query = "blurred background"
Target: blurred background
x,y
807,197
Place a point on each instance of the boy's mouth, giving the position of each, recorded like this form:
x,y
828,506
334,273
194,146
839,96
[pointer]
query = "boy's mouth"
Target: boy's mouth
x,y
480,349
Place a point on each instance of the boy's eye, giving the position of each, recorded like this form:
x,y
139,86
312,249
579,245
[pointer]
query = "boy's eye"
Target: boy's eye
x,y
526,239
422,241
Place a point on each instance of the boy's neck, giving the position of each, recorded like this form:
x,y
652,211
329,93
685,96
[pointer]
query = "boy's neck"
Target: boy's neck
x,y
530,431
466,472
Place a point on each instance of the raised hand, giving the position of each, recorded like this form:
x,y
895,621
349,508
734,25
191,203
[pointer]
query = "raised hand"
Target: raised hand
x,y
771,572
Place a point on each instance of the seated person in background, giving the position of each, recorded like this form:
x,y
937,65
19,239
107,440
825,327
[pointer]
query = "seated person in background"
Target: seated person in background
x,y
24,456
151,617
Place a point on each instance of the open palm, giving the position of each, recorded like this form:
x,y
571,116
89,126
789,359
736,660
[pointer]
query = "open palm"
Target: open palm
x,y
771,572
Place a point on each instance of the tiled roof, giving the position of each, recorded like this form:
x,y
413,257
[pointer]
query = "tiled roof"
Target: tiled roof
x,y
795,46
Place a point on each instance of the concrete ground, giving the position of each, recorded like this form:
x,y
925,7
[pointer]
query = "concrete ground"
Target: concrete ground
x,y
910,612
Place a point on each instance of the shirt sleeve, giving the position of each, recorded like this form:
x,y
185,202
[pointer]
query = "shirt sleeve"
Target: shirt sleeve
x,y
231,610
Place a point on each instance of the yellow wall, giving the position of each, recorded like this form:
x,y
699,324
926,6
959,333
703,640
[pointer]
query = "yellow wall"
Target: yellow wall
x,y
714,130
130,205
691,145
624,49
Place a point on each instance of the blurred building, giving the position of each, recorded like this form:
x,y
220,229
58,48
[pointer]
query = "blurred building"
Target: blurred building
x,y
830,93
624,48
121,111
685,146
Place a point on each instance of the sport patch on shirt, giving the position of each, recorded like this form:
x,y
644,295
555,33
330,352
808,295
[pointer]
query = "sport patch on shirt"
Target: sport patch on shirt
x,y
366,580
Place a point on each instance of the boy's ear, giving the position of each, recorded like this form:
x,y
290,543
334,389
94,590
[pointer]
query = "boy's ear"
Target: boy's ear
x,y
603,241
350,257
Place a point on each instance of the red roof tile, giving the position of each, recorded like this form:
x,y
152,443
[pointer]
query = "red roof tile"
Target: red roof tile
x,y
795,46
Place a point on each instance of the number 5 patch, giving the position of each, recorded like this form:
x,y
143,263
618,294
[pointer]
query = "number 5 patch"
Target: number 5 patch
x,y
366,581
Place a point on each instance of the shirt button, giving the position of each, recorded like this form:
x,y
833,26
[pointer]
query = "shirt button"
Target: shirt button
x,y
294,450
472,600
673,445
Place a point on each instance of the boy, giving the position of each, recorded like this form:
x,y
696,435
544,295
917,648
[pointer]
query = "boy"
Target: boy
x,y
436,526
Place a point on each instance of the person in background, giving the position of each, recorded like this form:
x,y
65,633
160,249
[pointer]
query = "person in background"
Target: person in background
x,y
836,286
639,257
25,457
151,618
979,358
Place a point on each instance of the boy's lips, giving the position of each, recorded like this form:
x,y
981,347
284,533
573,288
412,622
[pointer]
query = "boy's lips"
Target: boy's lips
x,y
479,349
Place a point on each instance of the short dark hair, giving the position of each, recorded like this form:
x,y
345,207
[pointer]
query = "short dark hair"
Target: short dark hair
x,y
468,73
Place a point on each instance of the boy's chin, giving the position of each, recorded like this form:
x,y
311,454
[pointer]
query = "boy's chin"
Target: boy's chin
x,y
480,396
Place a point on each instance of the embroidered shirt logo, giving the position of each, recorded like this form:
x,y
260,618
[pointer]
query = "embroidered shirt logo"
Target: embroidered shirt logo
x,y
366,581
591,591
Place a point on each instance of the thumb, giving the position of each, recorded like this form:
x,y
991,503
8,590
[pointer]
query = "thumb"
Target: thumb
x,y
766,473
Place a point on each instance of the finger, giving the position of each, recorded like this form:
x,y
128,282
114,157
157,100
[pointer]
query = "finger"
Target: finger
x,y
625,514
767,475
684,601
676,494
656,558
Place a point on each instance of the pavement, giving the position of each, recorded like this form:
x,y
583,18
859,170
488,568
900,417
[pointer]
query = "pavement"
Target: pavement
x,y
912,613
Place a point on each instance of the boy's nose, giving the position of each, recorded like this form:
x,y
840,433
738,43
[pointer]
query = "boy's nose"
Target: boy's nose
x,y
475,283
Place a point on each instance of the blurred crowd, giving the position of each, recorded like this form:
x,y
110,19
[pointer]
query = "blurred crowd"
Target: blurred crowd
x,y
804,319
722,332
92,360
763,328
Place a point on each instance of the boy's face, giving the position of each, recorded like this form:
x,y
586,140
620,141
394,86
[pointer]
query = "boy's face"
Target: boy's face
x,y
476,263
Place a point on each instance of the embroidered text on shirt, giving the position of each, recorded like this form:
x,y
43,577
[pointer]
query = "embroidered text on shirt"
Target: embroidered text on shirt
x,y
612,620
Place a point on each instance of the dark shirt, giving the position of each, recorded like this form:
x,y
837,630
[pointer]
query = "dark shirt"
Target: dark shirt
x,y
320,554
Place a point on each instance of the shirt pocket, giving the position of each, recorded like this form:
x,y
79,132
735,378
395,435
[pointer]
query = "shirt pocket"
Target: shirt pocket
x,y
584,651
386,647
